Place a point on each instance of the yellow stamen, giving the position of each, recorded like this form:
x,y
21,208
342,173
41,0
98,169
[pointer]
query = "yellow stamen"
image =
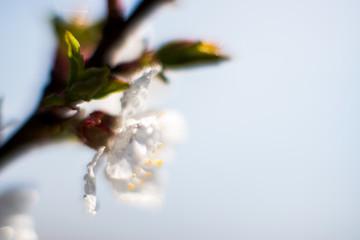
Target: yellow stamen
x,y
142,181
138,169
160,115
155,152
149,161
134,175
160,145
159,162
148,174
131,186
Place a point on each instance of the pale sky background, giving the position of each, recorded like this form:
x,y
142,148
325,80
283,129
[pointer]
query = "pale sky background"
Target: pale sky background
x,y
273,146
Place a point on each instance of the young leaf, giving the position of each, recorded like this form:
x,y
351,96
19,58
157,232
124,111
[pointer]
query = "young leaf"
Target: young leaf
x,y
112,85
188,53
75,57
53,100
88,84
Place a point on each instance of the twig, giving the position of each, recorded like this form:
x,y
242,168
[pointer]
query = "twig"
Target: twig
x,y
115,31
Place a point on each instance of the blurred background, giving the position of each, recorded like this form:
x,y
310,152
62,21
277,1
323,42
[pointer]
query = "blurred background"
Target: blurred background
x,y
273,144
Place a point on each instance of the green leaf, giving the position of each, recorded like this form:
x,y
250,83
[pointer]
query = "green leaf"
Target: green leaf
x,y
53,100
94,83
75,57
113,85
188,53
88,84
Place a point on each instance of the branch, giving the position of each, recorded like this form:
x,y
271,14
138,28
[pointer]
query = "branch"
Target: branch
x,y
115,30
115,10
37,129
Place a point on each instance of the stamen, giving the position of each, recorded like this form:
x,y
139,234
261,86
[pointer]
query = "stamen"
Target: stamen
x,y
134,175
155,152
131,186
159,162
148,174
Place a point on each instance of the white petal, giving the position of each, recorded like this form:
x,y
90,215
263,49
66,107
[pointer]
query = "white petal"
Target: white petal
x,y
135,97
147,132
150,195
90,184
173,127
137,152
90,203
120,170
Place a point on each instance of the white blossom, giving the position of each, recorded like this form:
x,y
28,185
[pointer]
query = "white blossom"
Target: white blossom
x,y
15,223
138,151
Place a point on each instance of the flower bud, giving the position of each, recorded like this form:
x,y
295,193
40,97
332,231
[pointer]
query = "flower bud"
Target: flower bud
x,y
188,53
97,129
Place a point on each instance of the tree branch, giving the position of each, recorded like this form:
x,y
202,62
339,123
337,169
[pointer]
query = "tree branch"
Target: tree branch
x,y
115,30
115,9
39,128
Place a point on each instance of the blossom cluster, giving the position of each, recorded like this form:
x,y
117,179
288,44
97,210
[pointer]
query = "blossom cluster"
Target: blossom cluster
x,y
137,151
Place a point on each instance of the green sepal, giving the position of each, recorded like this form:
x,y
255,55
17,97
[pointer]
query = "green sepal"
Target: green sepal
x,y
112,85
88,84
76,59
162,77
53,100
188,53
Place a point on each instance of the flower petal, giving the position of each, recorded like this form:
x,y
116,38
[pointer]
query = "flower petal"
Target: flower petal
x,y
90,184
135,97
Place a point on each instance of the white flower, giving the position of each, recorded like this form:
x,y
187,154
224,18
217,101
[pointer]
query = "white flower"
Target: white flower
x,y
137,152
15,223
